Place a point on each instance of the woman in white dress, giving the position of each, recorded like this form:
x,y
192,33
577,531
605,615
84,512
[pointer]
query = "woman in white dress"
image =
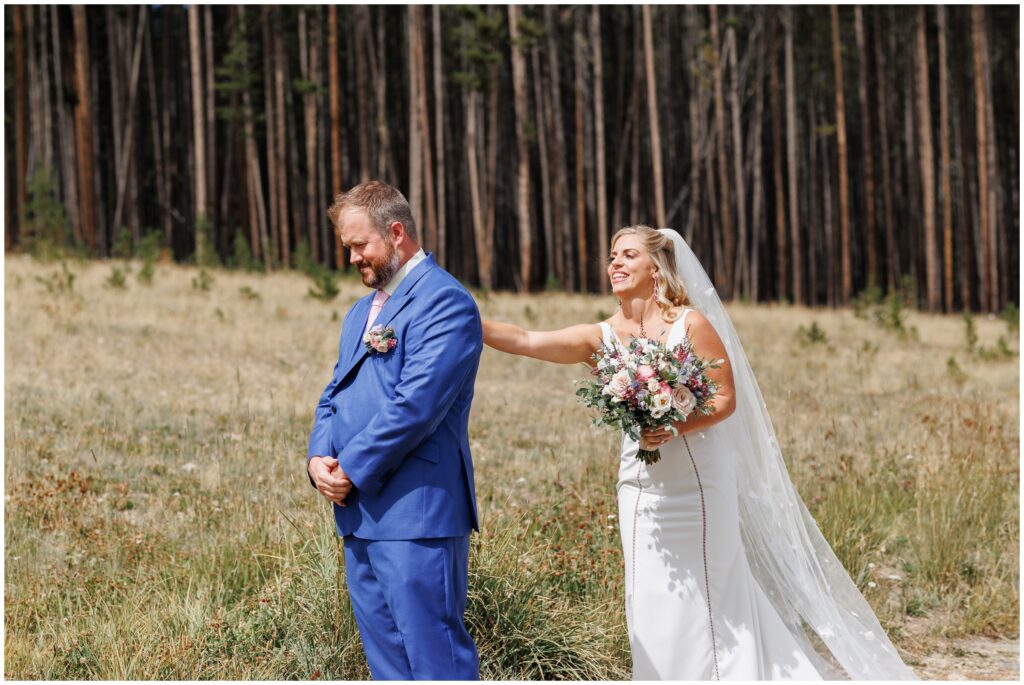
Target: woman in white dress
x,y
727,575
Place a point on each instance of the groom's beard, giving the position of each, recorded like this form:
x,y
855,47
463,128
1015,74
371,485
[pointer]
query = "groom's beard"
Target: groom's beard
x,y
377,274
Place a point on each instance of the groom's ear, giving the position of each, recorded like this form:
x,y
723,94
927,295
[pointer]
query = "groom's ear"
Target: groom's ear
x,y
397,231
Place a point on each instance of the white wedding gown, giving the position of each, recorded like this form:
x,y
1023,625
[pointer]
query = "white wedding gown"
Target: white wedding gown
x,y
694,610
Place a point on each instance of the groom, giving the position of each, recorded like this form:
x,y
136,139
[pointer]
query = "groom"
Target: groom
x,y
390,444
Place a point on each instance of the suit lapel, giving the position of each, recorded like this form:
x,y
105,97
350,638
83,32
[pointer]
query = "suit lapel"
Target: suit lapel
x,y
396,303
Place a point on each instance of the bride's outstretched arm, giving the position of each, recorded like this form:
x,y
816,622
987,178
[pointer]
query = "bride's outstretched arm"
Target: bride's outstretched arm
x,y
566,346
707,345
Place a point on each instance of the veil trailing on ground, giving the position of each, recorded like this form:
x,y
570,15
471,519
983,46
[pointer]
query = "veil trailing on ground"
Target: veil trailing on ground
x,y
788,555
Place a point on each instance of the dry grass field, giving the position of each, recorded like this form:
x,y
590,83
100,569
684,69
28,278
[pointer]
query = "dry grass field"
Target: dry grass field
x,y
158,522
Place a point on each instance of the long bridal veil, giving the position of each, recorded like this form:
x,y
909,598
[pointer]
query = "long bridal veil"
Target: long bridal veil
x,y
788,555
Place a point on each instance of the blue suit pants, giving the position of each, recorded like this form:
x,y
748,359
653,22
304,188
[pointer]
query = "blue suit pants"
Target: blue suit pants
x,y
409,597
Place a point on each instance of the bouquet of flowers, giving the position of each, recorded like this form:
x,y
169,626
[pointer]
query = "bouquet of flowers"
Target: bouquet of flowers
x,y
648,385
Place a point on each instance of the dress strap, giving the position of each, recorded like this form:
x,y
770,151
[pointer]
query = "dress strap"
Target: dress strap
x,y
607,334
678,331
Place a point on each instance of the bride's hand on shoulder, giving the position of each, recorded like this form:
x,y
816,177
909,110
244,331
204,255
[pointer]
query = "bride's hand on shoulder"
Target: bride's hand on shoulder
x,y
570,345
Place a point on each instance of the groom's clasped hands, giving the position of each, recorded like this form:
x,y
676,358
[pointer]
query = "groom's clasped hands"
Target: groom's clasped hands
x,y
329,478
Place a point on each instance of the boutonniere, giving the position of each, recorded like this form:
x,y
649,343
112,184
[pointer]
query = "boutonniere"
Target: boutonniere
x,y
380,339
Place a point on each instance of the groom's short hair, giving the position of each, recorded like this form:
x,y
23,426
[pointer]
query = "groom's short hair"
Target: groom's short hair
x,y
382,203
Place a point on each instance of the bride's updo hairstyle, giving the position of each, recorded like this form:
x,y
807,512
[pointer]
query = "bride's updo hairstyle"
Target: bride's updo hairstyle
x,y
669,291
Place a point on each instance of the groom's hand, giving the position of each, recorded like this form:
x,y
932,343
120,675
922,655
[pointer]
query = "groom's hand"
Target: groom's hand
x,y
329,479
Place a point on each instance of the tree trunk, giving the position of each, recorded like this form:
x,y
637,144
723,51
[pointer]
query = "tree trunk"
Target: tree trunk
x,y
439,140
273,166
725,281
480,238
522,150
198,126
981,120
696,84
281,139
793,165
927,160
566,269
780,193
866,143
363,52
890,237
424,124
844,182
334,89
128,137
20,121
308,53
83,129
542,112
67,133
738,267
757,214
947,189
580,101
995,193
44,84
211,129
652,113
415,132
599,143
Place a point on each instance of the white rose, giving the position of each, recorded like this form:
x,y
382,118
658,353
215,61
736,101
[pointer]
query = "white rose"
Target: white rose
x,y
654,385
660,404
683,400
617,385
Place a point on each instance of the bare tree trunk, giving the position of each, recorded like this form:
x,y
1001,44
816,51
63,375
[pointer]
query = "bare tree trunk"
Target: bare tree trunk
x,y
869,167
740,262
599,143
198,125
211,128
67,134
20,121
844,182
481,238
725,283
890,238
565,268
780,193
83,130
830,249
580,102
793,164
424,124
309,109
757,214
363,51
46,140
814,219
273,165
523,151
334,89
997,257
439,141
415,138
947,189
378,72
696,138
981,119
541,112
128,138
927,160
652,114
281,138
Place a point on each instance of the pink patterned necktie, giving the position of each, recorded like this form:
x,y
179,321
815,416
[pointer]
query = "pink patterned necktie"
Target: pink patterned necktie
x,y
378,303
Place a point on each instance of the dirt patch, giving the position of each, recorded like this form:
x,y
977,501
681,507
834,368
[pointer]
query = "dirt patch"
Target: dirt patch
x,y
972,658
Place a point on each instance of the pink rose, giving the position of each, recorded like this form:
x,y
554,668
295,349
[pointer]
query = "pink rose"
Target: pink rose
x,y
683,400
644,372
617,386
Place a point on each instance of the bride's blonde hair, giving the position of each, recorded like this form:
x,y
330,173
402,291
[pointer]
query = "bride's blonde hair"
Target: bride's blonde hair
x,y
669,291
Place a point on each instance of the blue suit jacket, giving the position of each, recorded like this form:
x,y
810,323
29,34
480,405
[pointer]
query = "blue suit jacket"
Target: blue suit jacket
x,y
398,422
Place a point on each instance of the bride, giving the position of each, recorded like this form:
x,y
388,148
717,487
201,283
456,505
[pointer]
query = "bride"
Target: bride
x,y
727,575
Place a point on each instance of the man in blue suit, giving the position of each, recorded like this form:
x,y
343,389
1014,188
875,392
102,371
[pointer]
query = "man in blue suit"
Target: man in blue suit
x,y
390,444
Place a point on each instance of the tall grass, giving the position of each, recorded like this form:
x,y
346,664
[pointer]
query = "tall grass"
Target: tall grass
x,y
159,524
